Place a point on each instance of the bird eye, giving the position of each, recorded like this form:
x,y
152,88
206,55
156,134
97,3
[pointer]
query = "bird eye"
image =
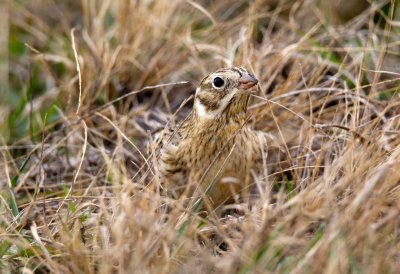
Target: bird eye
x,y
218,82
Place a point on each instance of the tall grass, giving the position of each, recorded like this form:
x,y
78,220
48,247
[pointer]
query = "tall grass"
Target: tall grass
x,y
91,81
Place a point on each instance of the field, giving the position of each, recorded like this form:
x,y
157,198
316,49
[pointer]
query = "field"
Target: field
x,y
86,84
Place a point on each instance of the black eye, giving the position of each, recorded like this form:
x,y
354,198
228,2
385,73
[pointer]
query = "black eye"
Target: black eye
x,y
218,82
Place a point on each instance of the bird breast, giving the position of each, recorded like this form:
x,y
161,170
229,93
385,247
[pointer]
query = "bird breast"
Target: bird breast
x,y
218,148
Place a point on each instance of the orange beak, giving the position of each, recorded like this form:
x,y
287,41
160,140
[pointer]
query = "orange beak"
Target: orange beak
x,y
247,81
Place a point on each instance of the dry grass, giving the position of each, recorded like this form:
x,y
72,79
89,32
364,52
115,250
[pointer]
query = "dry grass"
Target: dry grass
x,y
80,194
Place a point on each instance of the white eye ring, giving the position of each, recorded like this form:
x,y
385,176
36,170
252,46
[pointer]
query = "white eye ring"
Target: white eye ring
x,y
218,82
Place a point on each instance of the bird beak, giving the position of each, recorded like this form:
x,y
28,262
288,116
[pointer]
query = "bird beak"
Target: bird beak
x,y
247,81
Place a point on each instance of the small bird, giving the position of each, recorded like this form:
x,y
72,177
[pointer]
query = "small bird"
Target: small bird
x,y
213,153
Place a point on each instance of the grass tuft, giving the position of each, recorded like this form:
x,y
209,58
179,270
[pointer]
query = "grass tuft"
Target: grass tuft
x,y
89,82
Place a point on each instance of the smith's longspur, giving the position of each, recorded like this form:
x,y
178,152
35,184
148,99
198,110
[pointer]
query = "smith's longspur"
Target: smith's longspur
x,y
213,153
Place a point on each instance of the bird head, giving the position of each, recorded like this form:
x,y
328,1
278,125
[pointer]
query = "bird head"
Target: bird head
x,y
224,92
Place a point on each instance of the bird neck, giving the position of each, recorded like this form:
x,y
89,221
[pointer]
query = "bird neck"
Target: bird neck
x,y
233,114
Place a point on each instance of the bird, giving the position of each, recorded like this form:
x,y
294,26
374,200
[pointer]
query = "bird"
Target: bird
x,y
213,152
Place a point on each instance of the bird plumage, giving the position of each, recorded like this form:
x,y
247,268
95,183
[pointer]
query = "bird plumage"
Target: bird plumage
x,y
213,151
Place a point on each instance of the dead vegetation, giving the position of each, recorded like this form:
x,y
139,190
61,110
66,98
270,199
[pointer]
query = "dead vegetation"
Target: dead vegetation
x,y
95,79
